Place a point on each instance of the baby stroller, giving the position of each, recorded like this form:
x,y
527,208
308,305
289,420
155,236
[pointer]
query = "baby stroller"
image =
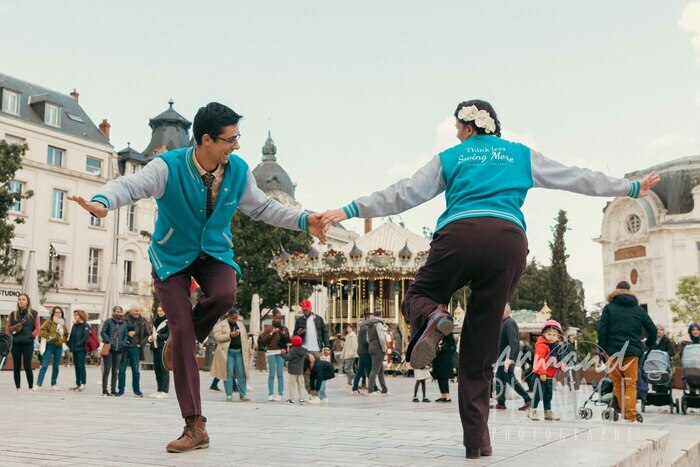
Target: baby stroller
x,y
690,362
398,365
5,347
657,366
601,395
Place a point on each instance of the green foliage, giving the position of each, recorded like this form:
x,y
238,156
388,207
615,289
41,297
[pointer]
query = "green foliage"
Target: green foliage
x,y
533,288
254,244
564,298
10,162
686,306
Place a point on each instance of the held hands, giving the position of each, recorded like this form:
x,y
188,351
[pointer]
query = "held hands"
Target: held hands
x,y
647,183
235,333
98,209
317,228
333,216
543,377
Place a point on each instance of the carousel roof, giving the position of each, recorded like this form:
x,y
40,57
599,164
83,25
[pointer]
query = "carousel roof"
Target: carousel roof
x,y
389,237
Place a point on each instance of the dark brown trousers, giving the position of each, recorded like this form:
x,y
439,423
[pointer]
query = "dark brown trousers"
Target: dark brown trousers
x,y
187,325
490,255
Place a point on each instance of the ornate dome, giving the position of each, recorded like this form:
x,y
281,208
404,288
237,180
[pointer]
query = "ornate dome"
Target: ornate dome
x,y
271,177
170,131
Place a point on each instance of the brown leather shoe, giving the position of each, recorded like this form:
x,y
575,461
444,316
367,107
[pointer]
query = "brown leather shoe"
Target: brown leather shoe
x,y
194,436
168,355
425,346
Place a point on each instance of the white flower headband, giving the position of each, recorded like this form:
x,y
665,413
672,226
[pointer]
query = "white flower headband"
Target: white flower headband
x,y
481,118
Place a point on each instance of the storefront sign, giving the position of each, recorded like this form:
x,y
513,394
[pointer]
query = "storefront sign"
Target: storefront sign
x,y
9,293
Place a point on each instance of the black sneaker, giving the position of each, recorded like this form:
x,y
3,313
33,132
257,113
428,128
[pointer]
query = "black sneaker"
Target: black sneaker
x,y
106,393
415,399
214,388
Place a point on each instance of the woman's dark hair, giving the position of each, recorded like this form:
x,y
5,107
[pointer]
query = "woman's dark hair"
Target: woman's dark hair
x,y
623,285
53,312
481,105
211,120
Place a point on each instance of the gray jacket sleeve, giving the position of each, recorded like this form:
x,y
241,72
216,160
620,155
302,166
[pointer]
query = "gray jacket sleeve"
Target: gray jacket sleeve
x,y
547,173
128,189
403,195
260,207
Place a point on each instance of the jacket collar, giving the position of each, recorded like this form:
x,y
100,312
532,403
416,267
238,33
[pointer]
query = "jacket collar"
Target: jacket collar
x,y
619,292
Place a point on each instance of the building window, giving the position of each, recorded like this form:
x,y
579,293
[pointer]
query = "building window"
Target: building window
x,y
52,115
16,187
128,270
55,157
13,139
93,166
634,223
10,102
15,256
133,169
131,218
94,267
57,266
95,221
57,204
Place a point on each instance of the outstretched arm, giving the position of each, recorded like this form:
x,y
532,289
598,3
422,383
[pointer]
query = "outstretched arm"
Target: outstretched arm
x,y
149,182
403,195
260,207
547,173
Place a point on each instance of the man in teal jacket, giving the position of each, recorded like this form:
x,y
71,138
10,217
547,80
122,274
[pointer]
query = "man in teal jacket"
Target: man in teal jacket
x,y
197,190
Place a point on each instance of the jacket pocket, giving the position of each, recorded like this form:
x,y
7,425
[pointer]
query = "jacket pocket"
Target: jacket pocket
x,y
228,239
165,239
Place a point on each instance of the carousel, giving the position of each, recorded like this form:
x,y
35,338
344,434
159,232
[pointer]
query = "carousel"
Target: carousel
x,y
371,273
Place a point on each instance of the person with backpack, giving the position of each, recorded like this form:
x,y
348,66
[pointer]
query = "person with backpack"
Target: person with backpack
x,y
365,361
79,334
23,325
114,338
274,339
137,332
377,350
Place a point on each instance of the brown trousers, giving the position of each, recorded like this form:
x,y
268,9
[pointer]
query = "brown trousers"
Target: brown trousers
x,y
490,255
188,325
625,369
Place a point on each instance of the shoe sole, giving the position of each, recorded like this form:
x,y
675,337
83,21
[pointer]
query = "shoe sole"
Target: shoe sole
x,y
425,350
181,451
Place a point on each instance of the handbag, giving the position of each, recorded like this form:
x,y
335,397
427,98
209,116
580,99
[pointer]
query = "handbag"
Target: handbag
x,y
42,346
105,349
15,328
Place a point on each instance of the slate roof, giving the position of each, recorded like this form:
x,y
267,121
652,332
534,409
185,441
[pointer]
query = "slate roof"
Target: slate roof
x,y
170,131
678,177
27,113
269,175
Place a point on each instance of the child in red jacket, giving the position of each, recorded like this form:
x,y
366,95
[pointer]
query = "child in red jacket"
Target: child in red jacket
x,y
545,368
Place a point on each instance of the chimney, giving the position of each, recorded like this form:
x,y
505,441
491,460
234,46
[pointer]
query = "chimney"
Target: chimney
x,y
75,95
368,225
104,126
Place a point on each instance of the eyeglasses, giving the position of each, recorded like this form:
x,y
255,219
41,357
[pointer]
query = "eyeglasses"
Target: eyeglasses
x,y
231,141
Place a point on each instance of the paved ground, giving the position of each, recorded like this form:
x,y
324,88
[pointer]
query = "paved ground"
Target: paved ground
x,y
63,428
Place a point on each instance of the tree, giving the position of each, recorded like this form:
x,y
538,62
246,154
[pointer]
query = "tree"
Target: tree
x,y
564,298
10,162
533,288
254,245
686,306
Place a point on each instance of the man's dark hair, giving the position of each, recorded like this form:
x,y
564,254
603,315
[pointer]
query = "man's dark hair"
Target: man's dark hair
x,y
623,285
378,312
276,312
367,314
232,311
211,120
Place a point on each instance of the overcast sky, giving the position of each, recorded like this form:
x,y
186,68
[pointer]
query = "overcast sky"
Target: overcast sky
x,y
360,94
